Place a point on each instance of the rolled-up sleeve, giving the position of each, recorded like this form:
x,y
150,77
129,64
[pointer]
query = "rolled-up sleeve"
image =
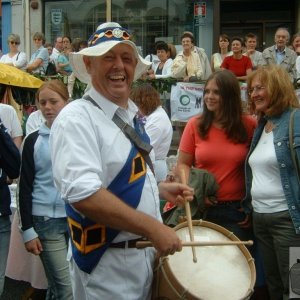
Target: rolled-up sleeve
x,y
75,154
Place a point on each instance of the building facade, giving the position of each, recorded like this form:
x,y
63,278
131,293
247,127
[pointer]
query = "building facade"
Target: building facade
x,y
150,21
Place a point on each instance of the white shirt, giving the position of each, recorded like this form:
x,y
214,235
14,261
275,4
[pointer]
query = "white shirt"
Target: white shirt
x,y
10,120
159,128
19,60
34,121
167,68
298,66
255,57
267,193
54,56
88,150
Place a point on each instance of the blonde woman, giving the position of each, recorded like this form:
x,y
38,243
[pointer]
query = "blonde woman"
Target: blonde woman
x,y
14,57
187,63
42,211
272,188
217,58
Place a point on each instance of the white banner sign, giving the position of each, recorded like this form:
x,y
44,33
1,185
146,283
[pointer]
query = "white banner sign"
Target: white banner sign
x,y
186,100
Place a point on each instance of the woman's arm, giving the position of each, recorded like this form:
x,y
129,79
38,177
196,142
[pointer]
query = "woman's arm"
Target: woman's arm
x,y
178,67
212,65
27,176
9,154
185,162
244,78
41,57
34,65
20,60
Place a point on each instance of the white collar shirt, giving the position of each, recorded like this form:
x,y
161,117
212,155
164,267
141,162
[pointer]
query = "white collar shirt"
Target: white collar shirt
x,y
88,150
159,128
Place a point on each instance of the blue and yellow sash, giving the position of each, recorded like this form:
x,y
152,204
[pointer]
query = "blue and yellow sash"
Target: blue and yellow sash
x,y
90,240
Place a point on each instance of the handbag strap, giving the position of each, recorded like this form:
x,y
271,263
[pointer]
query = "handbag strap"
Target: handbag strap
x,y
292,144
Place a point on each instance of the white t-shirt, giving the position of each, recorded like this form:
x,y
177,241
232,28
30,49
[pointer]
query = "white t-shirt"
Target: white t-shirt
x,y
10,120
19,60
267,193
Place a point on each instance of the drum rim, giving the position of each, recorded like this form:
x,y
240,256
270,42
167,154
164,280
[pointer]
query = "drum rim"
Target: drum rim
x,y
179,288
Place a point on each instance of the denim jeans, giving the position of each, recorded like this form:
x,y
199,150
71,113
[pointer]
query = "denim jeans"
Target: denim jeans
x,y
275,234
4,246
228,216
53,235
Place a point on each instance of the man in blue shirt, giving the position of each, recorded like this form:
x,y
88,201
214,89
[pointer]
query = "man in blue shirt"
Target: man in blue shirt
x,y
280,54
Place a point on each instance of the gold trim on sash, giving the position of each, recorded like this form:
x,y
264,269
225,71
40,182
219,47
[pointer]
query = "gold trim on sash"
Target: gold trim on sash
x,y
138,168
88,239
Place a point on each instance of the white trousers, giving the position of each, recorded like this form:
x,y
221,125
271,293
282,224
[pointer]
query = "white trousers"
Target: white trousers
x,y
123,274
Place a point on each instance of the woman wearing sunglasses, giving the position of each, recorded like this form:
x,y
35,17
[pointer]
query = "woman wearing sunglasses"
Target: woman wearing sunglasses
x,y
14,57
40,57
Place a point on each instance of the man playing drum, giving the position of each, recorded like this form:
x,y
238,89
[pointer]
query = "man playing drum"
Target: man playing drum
x,y
104,175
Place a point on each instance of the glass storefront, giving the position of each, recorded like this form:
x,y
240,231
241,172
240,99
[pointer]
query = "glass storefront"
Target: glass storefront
x,y
148,21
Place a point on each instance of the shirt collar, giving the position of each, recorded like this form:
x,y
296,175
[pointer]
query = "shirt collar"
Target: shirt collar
x,y
278,51
110,108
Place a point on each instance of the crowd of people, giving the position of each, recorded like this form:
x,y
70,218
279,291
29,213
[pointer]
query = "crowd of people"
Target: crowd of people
x,y
92,171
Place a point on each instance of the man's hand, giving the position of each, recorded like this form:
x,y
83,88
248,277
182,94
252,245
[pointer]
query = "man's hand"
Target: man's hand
x,y
165,241
34,246
176,193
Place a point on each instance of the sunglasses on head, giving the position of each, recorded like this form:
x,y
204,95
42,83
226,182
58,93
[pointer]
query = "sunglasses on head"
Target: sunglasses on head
x,y
14,43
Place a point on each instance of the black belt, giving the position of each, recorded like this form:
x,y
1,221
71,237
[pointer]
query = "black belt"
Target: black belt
x,y
126,244
228,202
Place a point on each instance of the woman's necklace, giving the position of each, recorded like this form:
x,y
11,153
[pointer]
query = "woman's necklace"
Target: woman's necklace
x,y
269,127
161,65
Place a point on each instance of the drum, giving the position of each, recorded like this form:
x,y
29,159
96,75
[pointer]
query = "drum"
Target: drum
x,y
221,272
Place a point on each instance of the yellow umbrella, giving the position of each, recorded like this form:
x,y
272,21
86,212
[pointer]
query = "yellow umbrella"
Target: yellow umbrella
x,y
12,76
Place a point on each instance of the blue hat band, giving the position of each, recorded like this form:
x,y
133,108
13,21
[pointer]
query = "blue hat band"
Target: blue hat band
x,y
108,34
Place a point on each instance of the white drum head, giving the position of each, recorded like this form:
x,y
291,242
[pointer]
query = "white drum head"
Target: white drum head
x,y
221,272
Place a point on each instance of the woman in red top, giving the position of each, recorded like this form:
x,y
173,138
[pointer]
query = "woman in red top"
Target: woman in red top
x,y
218,141
239,64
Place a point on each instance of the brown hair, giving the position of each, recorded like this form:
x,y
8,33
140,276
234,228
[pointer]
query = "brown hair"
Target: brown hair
x,y
46,45
293,39
172,50
40,36
237,38
250,35
55,85
13,37
188,34
230,108
279,89
224,36
146,97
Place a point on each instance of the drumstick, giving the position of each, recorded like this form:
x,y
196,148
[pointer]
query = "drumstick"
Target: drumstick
x,y
188,216
141,245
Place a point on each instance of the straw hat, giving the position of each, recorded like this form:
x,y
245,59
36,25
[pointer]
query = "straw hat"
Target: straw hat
x,y
107,36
